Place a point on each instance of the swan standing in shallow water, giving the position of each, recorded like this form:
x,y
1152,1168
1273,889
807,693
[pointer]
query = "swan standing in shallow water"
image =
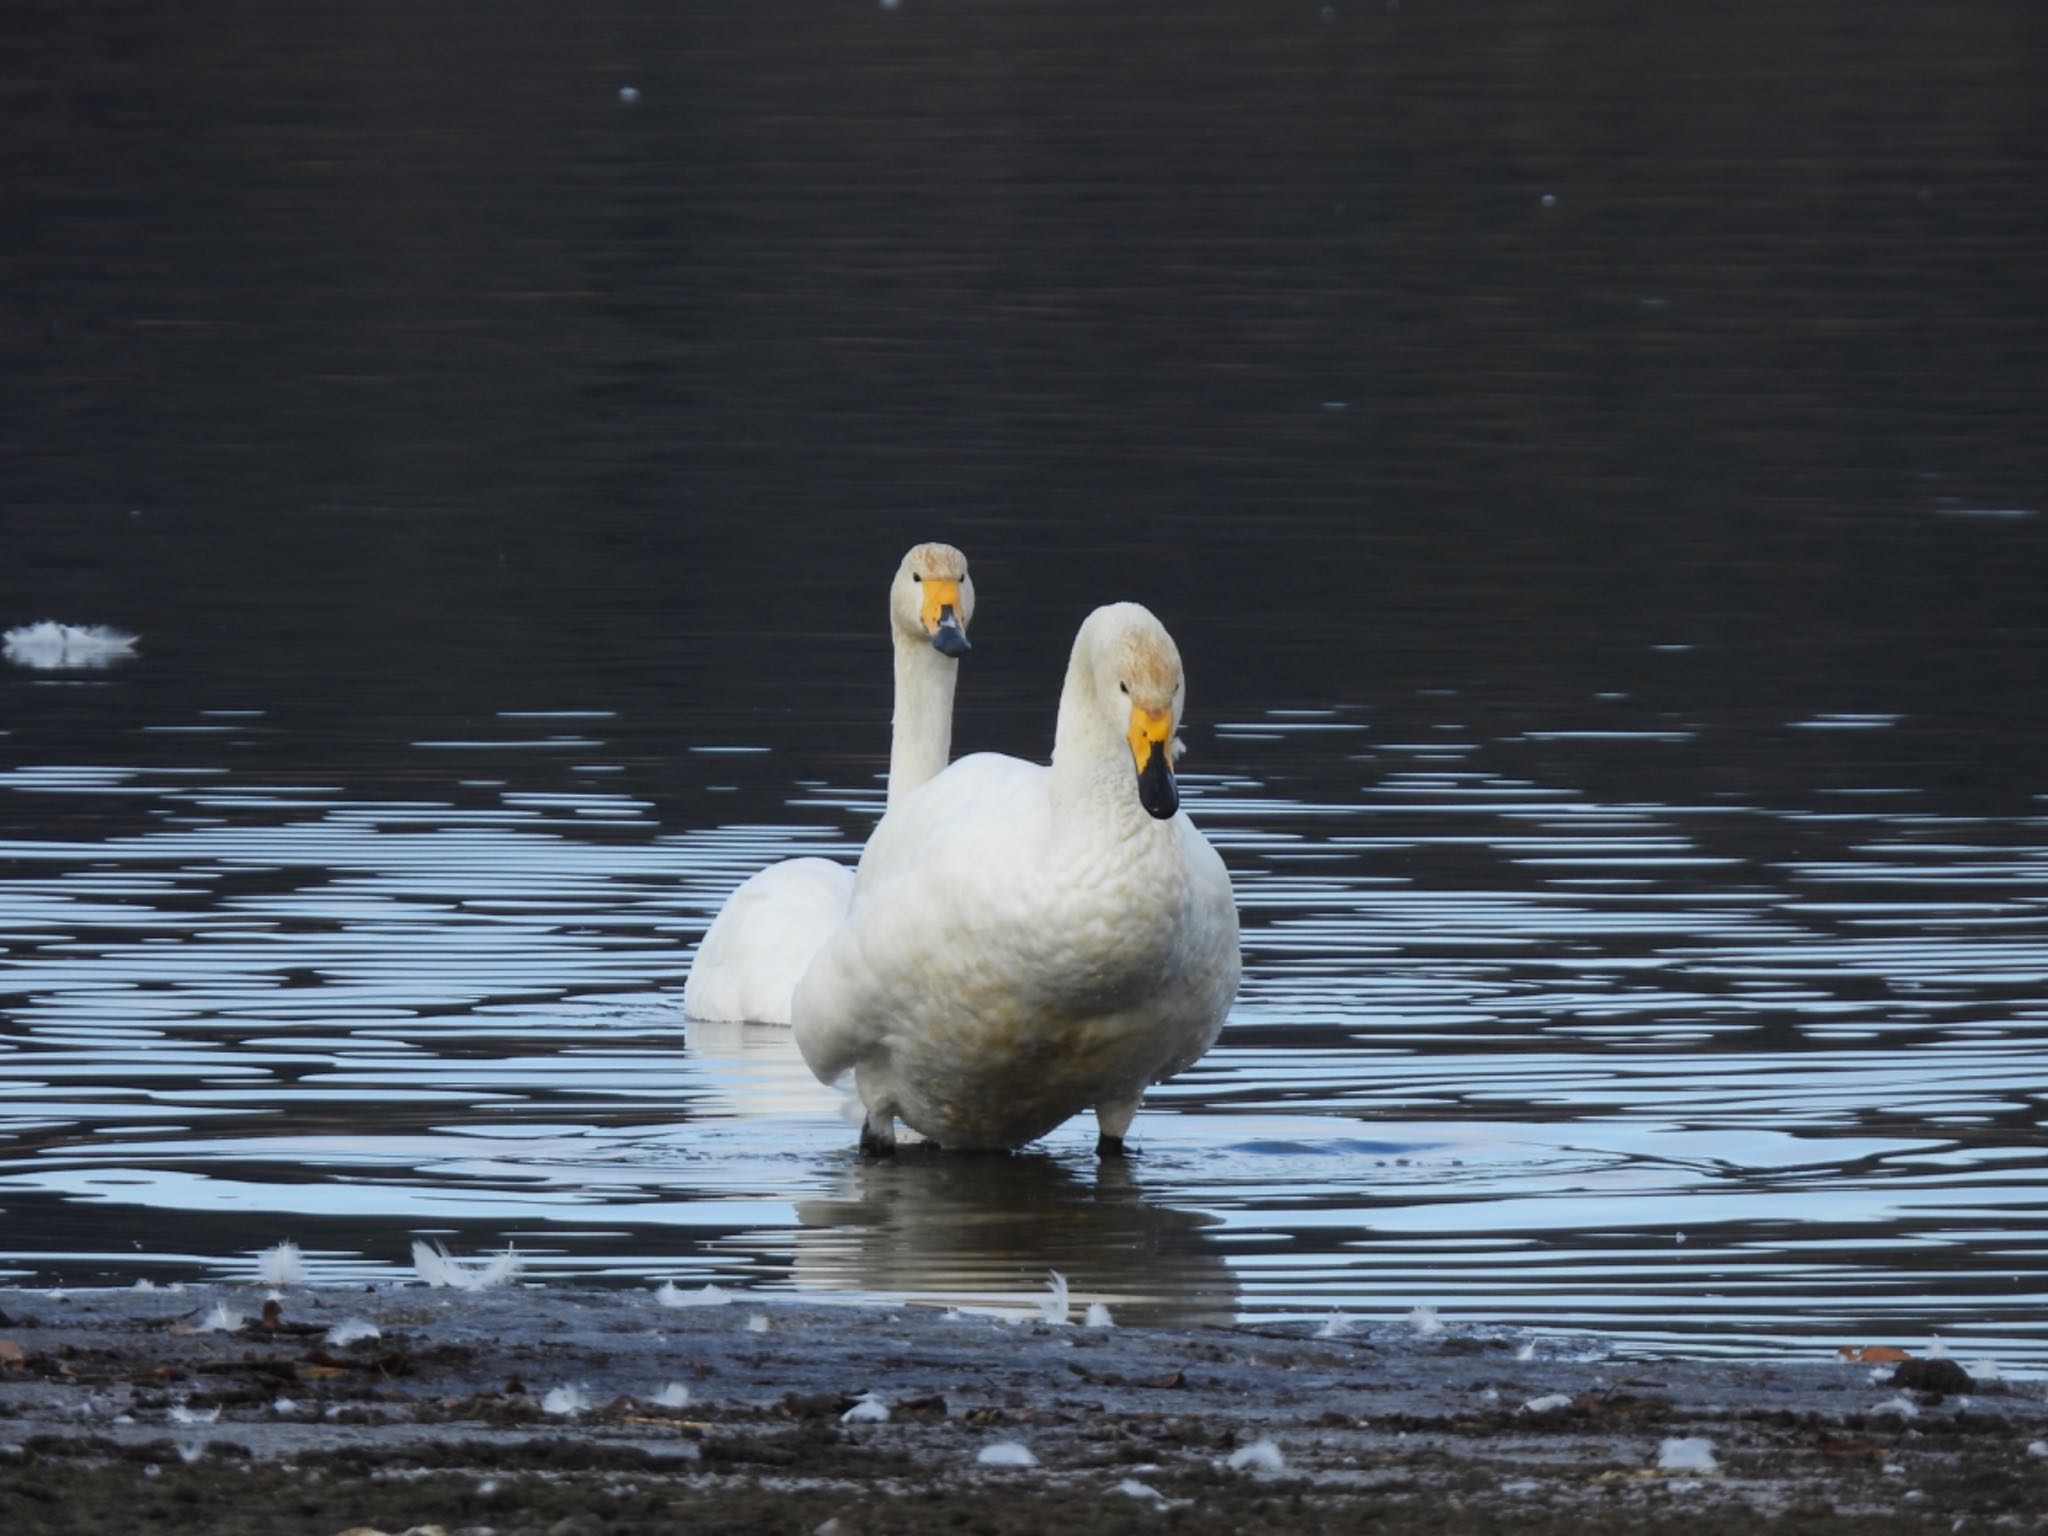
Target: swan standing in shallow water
x,y
764,936
1029,942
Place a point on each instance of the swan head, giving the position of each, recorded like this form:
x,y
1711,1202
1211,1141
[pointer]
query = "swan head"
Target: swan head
x,y
1134,670
932,598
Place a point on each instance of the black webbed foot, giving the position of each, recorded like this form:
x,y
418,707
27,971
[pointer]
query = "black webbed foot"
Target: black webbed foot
x,y
1109,1146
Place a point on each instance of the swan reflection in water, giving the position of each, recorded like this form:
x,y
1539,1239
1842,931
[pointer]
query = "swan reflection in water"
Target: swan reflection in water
x,y
973,1229
984,1229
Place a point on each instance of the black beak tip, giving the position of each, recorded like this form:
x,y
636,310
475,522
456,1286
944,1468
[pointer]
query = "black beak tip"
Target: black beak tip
x,y
950,640
1157,792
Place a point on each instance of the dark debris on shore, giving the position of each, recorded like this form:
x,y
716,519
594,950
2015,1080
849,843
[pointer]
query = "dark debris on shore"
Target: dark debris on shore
x,y
560,1412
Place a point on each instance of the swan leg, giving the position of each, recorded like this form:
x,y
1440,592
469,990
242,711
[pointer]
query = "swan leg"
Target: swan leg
x,y
1113,1119
878,1135
878,1124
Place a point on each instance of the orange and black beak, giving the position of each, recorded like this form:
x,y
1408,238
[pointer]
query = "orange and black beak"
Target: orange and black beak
x,y
941,617
1151,739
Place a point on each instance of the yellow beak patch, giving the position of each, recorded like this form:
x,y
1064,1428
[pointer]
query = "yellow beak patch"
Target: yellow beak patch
x,y
1150,731
938,597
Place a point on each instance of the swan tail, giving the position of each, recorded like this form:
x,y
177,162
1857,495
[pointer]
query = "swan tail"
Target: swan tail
x,y
756,951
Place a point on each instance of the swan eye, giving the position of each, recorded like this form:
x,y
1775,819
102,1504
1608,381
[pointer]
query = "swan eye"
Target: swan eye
x,y
915,577
1123,687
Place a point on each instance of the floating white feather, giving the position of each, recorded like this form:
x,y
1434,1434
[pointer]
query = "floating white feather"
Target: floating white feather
x,y
52,647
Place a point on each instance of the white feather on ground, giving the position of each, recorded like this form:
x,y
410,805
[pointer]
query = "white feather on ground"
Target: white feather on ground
x,y
1259,1456
674,1395
1053,1305
221,1319
1007,1453
1688,1454
1098,1316
52,647
758,1323
672,1295
282,1265
1335,1326
1424,1321
1548,1404
869,1410
180,1414
437,1267
351,1330
566,1401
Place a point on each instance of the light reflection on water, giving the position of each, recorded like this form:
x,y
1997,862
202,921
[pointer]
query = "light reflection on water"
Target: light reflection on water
x,y
1741,1078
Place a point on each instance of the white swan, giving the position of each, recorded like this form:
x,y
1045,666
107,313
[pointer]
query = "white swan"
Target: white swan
x,y
1026,942
764,936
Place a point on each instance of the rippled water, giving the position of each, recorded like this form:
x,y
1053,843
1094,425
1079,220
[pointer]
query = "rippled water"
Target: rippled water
x,y
1739,1075
1591,462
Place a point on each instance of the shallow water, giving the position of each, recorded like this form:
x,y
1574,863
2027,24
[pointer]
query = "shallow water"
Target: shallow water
x,y
1600,503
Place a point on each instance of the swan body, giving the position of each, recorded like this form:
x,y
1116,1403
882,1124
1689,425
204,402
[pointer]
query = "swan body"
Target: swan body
x,y
1027,942
757,948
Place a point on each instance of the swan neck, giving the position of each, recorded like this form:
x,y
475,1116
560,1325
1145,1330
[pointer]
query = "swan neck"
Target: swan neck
x,y
922,738
1093,782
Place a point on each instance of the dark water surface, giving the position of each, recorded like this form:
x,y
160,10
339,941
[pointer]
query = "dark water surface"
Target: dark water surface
x,y
1590,455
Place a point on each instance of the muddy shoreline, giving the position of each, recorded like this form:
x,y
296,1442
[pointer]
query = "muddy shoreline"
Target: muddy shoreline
x,y
560,1412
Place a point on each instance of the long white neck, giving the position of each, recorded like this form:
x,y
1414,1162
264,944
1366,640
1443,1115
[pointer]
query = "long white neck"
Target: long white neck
x,y
923,735
1093,781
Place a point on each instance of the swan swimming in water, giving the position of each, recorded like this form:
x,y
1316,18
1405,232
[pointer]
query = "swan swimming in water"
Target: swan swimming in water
x,y
764,936
1027,942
